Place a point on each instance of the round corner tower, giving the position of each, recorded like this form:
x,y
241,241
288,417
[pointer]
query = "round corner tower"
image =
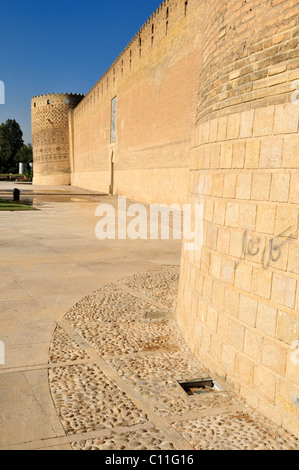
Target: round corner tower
x,y
50,137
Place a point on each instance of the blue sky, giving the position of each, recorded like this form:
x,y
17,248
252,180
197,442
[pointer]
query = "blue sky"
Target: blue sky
x,y
61,46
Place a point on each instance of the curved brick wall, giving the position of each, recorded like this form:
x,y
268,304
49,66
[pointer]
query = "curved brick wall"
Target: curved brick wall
x,y
50,138
239,297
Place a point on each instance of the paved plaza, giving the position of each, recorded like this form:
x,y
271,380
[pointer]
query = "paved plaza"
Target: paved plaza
x,y
93,357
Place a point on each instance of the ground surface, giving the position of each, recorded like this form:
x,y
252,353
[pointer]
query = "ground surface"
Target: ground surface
x,y
92,356
9,205
116,362
49,260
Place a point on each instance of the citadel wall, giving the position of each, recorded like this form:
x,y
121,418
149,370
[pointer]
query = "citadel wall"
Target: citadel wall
x,y
155,80
239,297
237,62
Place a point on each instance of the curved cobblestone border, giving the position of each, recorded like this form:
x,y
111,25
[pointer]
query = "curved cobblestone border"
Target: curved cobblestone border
x,y
116,360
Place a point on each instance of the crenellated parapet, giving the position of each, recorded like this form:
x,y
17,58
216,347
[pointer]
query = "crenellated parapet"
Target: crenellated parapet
x,y
70,99
163,21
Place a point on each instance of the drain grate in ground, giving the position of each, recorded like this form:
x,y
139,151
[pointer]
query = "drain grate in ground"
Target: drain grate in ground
x,y
156,315
200,386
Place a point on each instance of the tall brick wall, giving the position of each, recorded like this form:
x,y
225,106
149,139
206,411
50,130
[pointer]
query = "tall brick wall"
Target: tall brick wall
x,y
239,297
156,80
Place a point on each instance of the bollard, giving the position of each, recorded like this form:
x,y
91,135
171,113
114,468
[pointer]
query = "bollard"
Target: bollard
x,y
16,195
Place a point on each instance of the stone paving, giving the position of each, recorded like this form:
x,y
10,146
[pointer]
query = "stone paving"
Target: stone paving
x,y
115,363
110,376
49,260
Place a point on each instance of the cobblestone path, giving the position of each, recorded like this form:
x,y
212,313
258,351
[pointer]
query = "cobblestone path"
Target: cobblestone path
x,y
116,360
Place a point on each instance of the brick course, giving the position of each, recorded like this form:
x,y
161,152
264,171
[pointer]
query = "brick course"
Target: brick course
x,y
246,91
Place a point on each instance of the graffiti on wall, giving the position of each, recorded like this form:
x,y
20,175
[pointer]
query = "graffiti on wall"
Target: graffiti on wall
x,y
268,252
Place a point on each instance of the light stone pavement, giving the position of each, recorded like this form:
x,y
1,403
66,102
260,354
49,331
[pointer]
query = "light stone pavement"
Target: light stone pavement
x,y
116,361
93,355
49,260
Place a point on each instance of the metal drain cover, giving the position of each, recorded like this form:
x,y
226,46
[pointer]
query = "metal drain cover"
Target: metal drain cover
x,y
155,315
200,386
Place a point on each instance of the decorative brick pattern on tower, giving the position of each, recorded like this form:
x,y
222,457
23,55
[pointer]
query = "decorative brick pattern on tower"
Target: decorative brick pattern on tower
x,y
50,137
238,303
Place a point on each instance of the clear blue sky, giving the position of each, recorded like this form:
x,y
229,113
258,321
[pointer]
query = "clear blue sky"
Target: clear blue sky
x,y
59,46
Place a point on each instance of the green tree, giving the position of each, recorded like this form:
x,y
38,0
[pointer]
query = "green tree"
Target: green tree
x,y
25,154
11,141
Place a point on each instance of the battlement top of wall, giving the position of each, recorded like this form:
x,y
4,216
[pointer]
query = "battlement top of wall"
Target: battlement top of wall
x,y
161,8
68,99
155,13
148,21
59,95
